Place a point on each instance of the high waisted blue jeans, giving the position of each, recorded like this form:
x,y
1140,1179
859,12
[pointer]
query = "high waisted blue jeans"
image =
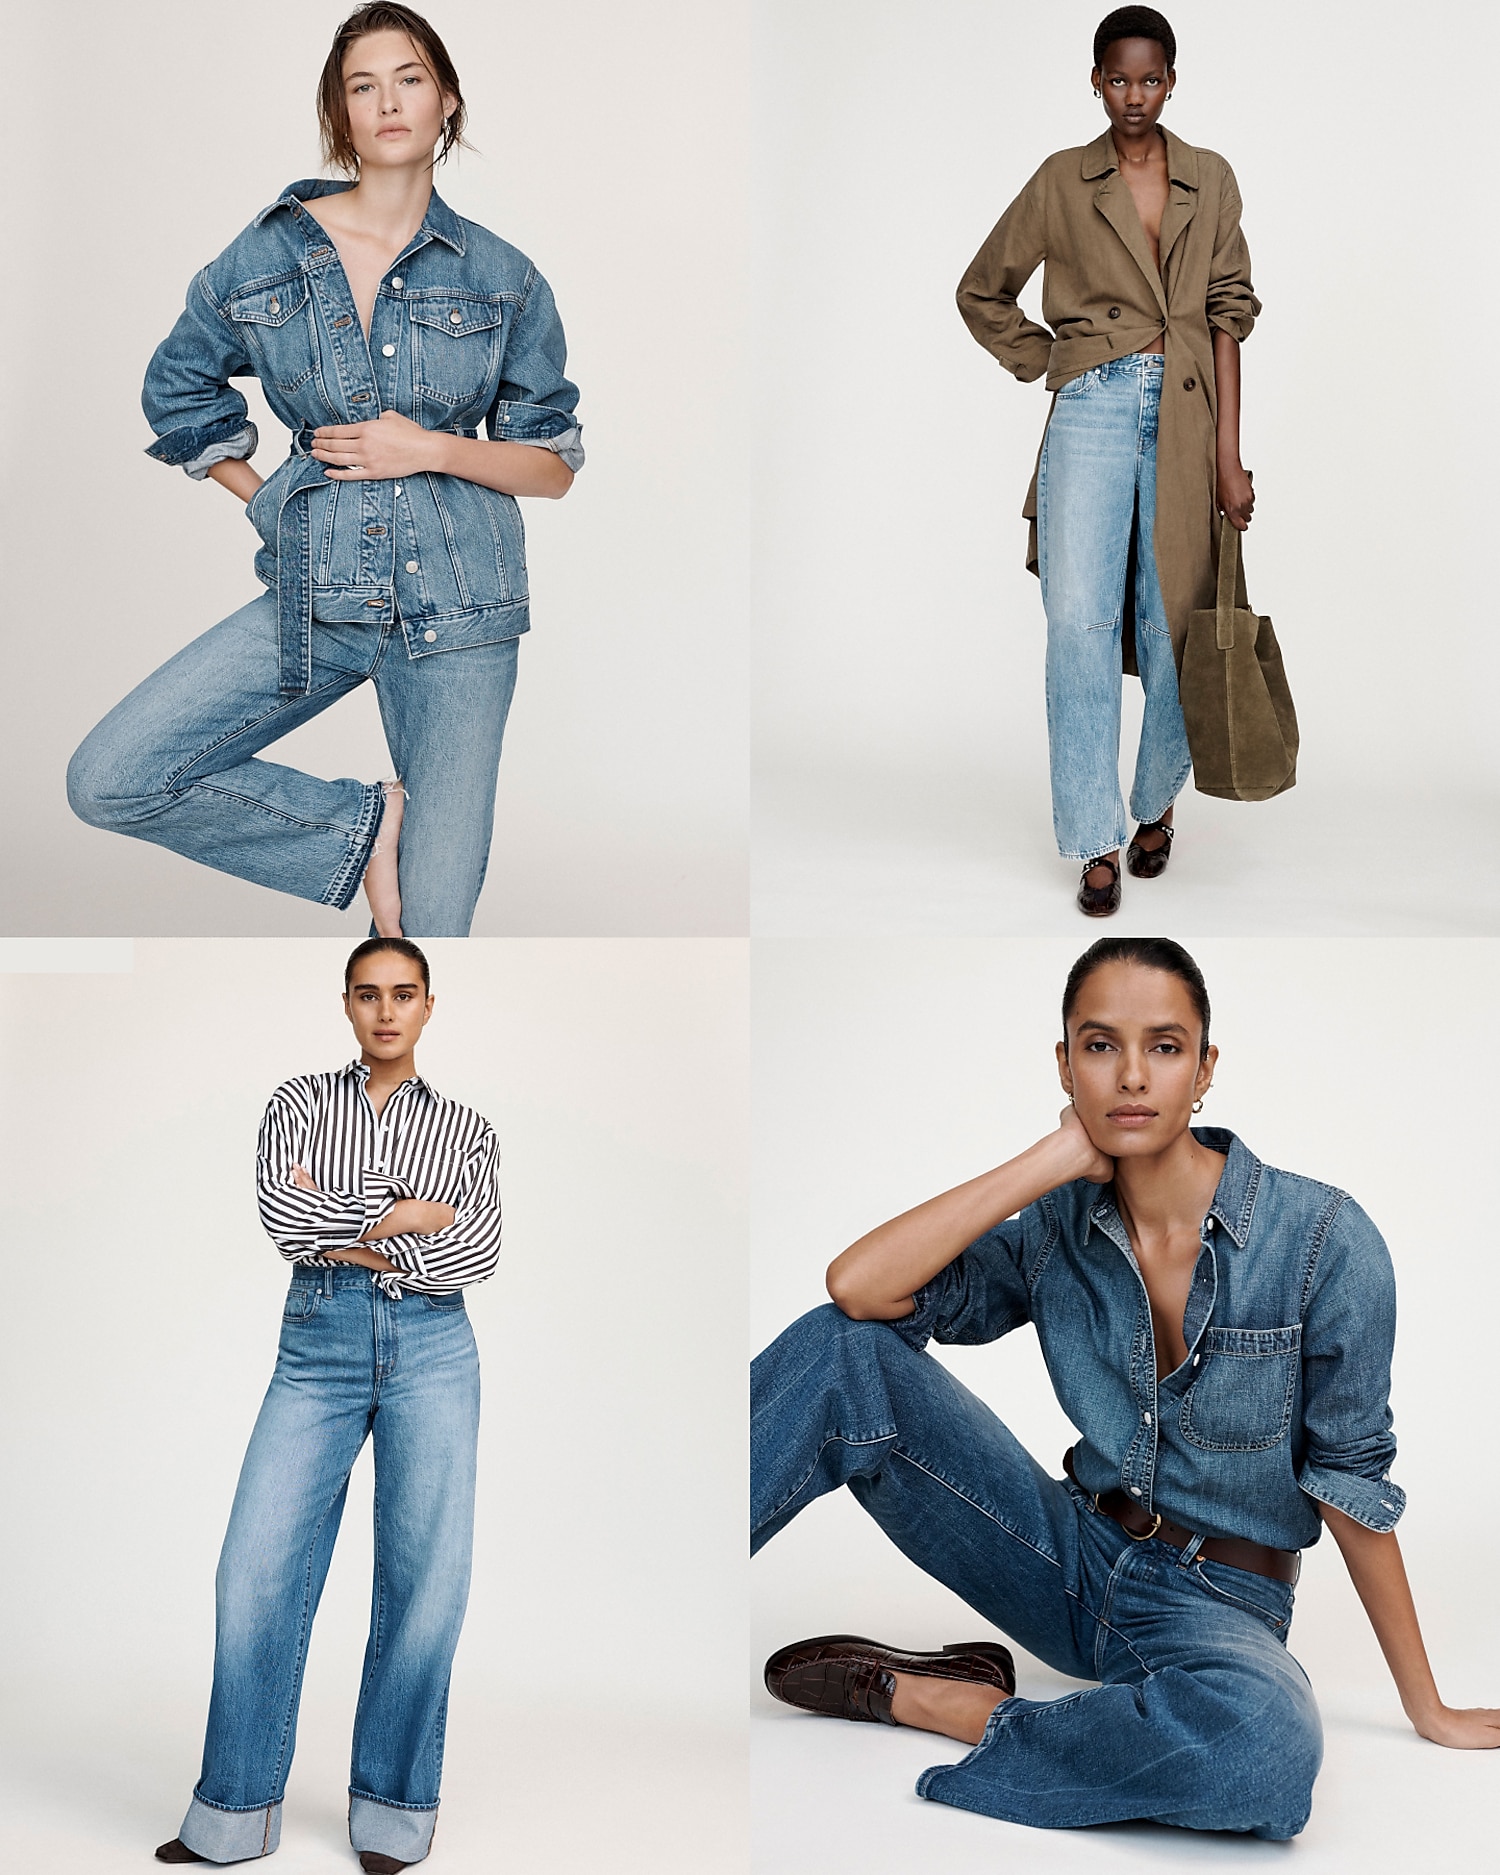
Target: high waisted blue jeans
x,y
1201,1717
1097,477
175,763
353,1364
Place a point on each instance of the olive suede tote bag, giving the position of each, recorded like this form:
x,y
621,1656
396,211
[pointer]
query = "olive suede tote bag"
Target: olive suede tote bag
x,y
1241,725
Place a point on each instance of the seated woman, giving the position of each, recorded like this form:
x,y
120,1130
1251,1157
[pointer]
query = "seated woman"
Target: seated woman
x,y
1220,1334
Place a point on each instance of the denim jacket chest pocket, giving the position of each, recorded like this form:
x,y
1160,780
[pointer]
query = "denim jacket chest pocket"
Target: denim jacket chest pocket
x,y
1241,1398
275,322
456,346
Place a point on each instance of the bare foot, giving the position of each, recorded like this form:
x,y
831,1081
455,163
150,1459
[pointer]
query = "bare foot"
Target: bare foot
x,y
382,886
956,1708
1098,876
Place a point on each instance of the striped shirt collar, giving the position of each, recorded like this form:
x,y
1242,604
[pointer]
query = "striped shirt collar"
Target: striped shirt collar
x,y
359,1071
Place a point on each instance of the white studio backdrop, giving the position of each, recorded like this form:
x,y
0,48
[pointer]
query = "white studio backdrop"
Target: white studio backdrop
x,y
887,1070
612,149
899,728
142,1333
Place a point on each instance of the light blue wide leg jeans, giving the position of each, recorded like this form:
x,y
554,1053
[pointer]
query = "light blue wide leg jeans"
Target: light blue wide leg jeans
x,y
352,1364
1098,475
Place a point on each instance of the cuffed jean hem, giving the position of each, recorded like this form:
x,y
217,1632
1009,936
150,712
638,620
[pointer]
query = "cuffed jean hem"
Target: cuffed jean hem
x,y
1093,858
395,1829
231,1835
346,881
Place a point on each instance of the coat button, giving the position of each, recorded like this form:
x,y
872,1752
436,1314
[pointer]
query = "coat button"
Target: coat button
x,y
1114,312
388,351
455,318
430,637
1190,384
411,566
398,283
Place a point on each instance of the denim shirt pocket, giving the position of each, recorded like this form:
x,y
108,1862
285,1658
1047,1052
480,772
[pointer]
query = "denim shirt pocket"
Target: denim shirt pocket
x,y
457,350
1241,1399
276,320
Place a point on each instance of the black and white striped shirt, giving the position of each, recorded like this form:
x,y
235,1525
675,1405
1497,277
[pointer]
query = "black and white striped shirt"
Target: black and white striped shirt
x,y
420,1146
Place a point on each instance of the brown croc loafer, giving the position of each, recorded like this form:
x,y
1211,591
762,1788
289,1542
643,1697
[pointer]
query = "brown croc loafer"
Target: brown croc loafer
x,y
1149,862
846,1676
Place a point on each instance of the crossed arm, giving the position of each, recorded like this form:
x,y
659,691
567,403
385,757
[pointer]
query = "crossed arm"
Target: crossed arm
x,y
407,1214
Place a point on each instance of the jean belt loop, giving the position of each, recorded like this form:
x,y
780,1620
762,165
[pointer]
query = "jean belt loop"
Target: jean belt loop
x,y
327,1284
1190,1554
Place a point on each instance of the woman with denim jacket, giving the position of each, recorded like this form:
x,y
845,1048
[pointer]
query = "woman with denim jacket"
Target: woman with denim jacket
x,y
385,331
1220,1334
1147,296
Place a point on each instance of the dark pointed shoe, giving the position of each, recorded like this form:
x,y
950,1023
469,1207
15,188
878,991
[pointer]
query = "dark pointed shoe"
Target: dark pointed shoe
x,y
1149,862
373,1862
845,1676
1099,901
177,1851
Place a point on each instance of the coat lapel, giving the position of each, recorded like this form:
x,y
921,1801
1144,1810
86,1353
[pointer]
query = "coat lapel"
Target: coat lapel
x,y
1182,196
1113,200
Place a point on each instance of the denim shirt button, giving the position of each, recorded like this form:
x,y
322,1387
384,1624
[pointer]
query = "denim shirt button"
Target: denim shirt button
x,y
1146,1417
388,351
455,317
398,488
398,283
430,637
412,565
1135,1490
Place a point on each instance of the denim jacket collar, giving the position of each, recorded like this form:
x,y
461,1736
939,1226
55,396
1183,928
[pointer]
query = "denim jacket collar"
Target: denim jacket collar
x,y
1100,158
1234,1199
439,223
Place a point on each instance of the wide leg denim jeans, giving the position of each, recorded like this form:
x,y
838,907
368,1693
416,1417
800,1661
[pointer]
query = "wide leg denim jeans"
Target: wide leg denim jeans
x,y
1201,1718
353,1364
1096,478
176,763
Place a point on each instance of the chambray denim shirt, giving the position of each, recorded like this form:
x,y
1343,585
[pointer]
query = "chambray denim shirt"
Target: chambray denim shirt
x,y
1290,1322
464,333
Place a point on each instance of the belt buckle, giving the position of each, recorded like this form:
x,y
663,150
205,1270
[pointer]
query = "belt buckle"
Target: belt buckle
x,y
1145,1535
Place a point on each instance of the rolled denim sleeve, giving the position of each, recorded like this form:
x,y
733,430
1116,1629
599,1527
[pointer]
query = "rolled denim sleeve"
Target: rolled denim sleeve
x,y
981,1295
198,417
1348,1334
536,401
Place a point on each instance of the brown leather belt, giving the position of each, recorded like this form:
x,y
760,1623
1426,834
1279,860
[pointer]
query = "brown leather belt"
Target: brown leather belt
x,y
1281,1565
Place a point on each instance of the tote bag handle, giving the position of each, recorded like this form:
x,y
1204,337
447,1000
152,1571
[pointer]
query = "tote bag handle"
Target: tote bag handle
x,y
1229,577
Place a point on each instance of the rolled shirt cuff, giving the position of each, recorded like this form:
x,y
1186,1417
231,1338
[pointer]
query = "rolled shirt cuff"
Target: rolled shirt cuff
x,y
237,448
396,1830
1376,1503
231,1835
568,445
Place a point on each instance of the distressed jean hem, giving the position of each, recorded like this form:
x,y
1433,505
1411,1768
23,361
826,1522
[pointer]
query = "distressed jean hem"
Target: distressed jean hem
x,y
346,881
402,1830
224,1835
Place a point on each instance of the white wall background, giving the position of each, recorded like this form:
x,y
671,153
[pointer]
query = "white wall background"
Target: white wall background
x,y
612,149
900,736
143,1314
888,1070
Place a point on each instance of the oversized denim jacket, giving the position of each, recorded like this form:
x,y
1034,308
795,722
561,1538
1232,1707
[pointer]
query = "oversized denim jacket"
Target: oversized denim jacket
x,y
1290,1321
464,332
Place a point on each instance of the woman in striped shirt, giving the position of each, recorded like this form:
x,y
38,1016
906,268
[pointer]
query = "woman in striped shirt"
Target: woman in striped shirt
x,y
382,1195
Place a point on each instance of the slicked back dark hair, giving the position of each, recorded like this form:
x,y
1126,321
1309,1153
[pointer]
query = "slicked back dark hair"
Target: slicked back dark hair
x,y
379,16
1151,954
1134,23
403,947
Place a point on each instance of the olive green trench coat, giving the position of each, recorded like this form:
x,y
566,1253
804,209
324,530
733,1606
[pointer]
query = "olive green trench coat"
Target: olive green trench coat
x,y
1102,298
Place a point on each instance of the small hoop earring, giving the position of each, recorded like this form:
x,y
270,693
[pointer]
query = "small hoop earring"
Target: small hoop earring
x,y
1197,1106
1097,92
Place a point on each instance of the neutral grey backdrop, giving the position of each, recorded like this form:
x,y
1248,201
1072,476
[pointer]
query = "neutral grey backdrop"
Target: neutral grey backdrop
x,y
899,731
888,1070
612,148
144,1311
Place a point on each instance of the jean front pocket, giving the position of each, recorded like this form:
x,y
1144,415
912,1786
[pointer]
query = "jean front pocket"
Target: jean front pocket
x,y
302,1301
1080,386
1262,1596
1241,1400
458,348
450,1304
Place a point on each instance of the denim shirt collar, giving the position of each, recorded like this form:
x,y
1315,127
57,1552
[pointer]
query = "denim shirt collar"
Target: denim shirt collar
x,y
1100,159
438,224
1234,1199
